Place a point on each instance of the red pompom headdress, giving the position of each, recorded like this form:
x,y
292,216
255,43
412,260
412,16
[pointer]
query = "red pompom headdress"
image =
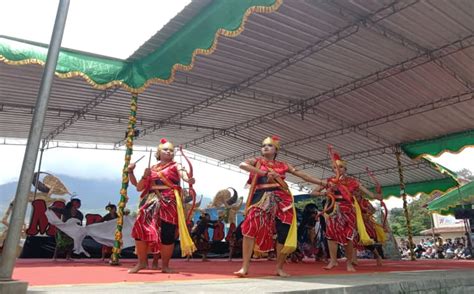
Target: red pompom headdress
x,y
337,158
165,143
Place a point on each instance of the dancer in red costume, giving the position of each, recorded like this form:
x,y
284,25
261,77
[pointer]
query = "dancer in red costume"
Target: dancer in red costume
x,y
341,219
161,211
269,207
374,230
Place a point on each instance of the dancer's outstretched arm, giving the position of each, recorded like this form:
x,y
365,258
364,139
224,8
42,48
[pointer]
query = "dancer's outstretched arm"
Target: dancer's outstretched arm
x,y
249,165
318,191
305,176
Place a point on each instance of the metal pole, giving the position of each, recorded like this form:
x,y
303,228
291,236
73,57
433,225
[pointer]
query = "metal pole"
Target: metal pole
x,y
467,226
7,261
432,226
39,168
405,204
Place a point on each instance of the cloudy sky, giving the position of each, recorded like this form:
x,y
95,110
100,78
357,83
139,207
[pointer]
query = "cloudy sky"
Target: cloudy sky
x,y
92,26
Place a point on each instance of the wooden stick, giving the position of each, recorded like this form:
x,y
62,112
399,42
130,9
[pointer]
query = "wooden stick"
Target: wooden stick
x,y
139,159
149,158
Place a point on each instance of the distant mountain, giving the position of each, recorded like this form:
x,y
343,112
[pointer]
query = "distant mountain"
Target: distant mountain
x,y
94,194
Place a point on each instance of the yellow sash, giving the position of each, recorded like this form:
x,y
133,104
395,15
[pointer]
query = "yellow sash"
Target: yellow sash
x,y
252,189
381,236
363,236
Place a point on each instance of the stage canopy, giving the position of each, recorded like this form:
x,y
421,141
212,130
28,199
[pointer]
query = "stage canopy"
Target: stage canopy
x,y
453,143
446,203
365,77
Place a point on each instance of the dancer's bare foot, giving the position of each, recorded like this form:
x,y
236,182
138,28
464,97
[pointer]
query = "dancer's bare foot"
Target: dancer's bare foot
x,y
350,267
241,273
168,270
282,273
138,267
330,265
379,262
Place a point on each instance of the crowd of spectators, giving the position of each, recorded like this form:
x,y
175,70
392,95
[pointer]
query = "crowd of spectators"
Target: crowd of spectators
x,y
437,248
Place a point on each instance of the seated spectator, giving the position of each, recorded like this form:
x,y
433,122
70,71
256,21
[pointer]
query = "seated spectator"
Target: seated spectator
x,y
111,215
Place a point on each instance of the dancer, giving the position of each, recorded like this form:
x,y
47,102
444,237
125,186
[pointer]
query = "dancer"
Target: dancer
x,y
235,241
269,206
311,234
374,230
341,220
200,235
162,211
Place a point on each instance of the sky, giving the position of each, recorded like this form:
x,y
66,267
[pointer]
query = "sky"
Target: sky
x,y
85,163
92,26
97,164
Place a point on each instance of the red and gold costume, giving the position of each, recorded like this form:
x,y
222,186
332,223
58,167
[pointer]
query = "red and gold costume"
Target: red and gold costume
x,y
270,207
341,222
269,201
374,230
368,216
161,207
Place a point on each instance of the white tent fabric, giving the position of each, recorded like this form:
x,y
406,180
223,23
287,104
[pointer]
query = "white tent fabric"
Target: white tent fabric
x,y
102,233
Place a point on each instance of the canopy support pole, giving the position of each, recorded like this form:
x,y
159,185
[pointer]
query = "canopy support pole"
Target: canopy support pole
x,y
405,204
467,227
125,180
8,257
43,144
432,226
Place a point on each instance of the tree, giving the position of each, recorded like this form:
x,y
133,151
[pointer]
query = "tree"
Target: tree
x,y
420,217
466,173
300,205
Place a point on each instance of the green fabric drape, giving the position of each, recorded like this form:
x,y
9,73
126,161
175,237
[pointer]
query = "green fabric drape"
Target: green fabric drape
x,y
454,198
198,36
101,70
455,142
426,187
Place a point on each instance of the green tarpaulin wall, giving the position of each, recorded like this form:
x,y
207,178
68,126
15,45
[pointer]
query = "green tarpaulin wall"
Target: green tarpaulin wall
x,y
454,198
427,187
454,143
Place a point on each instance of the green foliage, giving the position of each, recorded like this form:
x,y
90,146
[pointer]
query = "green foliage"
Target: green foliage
x,y
316,200
419,216
466,173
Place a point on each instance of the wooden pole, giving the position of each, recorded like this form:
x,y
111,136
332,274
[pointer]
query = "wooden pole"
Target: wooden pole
x,y
125,180
405,205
